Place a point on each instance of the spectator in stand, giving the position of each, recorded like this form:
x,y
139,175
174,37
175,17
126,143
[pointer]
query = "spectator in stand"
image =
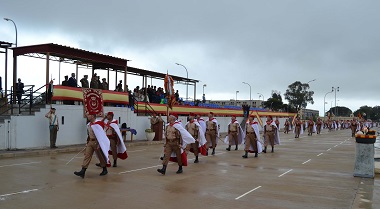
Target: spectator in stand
x,y
104,84
65,82
84,81
94,82
100,85
119,86
204,98
73,81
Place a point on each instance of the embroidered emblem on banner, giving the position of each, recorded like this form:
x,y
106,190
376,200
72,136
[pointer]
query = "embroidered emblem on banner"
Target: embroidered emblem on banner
x,y
93,101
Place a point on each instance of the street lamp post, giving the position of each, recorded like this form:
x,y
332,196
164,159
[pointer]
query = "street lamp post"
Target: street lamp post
x,y
187,76
236,97
335,89
263,98
250,90
7,19
324,103
204,85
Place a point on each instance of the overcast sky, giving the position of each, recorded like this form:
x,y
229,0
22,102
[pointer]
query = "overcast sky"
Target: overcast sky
x,y
268,44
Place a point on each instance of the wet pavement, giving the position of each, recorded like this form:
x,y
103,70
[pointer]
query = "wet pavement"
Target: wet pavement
x,y
310,172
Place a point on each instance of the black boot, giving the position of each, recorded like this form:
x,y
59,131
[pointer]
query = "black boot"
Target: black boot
x,y
255,154
104,172
114,163
81,172
196,159
236,148
229,148
162,170
213,151
179,169
265,150
272,149
207,152
245,155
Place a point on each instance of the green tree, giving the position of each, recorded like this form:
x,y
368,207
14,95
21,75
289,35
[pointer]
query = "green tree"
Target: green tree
x,y
298,95
275,102
372,113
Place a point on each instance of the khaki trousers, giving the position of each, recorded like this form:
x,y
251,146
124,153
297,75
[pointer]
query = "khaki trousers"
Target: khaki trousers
x,y
211,138
250,138
195,148
319,129
53,135
269,137
298,130
172,146
113,144
93,146
233,136
310,129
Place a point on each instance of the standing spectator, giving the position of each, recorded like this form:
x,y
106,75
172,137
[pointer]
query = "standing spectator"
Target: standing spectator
x,y
94,82
104,84
53,126
204,98
119,86
19,90
84,81
100,85
73,81
66,81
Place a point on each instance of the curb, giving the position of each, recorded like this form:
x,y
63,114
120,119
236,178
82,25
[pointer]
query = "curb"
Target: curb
x,y
64,149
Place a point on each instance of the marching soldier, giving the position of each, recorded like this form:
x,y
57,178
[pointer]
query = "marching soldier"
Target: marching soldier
x,y
271,134
310,127
298,128
234,134
277,122
117,145
252,138
212,132
319,126
286,126
98,143
196,132
177,138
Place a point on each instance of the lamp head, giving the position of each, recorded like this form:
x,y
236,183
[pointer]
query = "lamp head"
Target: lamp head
x,y
7,19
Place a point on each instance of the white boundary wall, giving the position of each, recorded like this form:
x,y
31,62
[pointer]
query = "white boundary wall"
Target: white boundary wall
x,y
33,131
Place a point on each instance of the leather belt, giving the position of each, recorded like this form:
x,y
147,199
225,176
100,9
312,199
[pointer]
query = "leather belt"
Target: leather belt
x,y
250,132
92,139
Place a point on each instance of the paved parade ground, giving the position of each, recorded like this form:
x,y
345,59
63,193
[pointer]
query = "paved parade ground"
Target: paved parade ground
x,y
309,172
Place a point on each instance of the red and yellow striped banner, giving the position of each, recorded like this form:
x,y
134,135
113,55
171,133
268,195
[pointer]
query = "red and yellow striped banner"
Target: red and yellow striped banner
x,y
65,93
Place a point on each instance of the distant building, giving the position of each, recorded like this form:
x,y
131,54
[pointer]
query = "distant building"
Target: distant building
x,y
232,102
307,113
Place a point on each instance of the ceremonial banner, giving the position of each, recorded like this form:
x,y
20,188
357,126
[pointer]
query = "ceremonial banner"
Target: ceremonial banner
x,y
93,102
169,89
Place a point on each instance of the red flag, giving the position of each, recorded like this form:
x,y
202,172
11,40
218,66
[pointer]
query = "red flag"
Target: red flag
x,y
169,89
